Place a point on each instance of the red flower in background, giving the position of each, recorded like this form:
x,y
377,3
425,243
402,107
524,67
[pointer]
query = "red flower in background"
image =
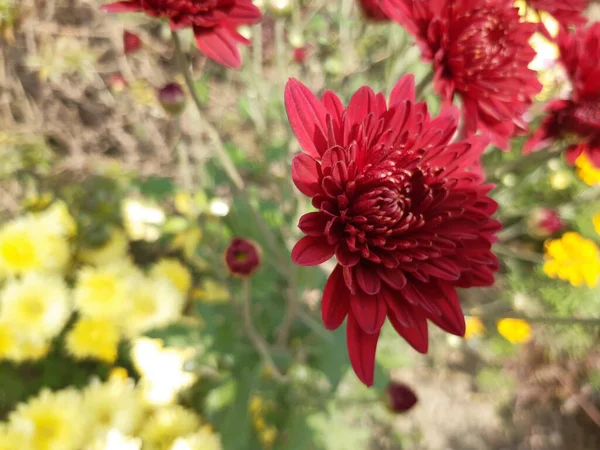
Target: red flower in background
x,y
372,10
242,257
397,206
576,120
214,22
480,51
567,13
131,42
399,398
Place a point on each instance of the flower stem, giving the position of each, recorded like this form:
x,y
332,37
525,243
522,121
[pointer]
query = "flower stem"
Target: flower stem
x,y
257,340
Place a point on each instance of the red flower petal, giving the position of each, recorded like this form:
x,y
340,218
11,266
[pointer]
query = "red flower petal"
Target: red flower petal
x,y
368,279
361,350
417,335
244,12
313,223
404,90
306,174
336,300
219,45
369,311
122,7
312,251
307,117
452,319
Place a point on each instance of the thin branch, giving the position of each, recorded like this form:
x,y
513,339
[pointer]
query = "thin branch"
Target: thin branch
x,y
257,340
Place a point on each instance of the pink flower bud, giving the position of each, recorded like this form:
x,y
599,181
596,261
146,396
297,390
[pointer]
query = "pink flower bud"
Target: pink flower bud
x,y
116,82
544,222
131,42
300,54
242,257
172,98
399,398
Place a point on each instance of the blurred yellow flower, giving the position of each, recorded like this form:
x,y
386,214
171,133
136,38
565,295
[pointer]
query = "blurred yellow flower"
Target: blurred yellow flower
x,y
114,249
514,330
560,180
103,292
574,259
37,306
113,405
58,220
473,327
152,303
204,439
166,424
118,373
29,350
175,272
211,291
51,421
256,404
187,241
588,173
25,246
268,436
115,440
596,222
93,339
7,341
143,220
161,370
10,439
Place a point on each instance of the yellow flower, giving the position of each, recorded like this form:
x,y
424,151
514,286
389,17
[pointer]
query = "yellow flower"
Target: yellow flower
x,y
29,350
514,330
7,342
174,271
167,424
474,327
269,436
596,222
153,303
115,249
187,241
161,370
94,339
256,404
118,373
10,439
37,306
143,220
26,246
58,220
211,292
574,259
203,439
103,292
588,173
51,421
113,405
115,440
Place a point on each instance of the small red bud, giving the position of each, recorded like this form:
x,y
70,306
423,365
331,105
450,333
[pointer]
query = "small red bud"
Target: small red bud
x,y
242,257
399,398
544,222
172,98
117,83
300,54
131,42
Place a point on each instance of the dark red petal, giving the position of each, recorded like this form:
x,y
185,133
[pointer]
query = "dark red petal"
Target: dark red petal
x,y
122,7
417,335
452,319
336,300
361,350
369,311
307,117
368,279
312,251
306,174
361,104
404,90
333,105
314,223
393,277
244,13
346,257
219,44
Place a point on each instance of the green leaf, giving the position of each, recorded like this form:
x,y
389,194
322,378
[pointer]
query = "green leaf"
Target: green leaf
x,y
156,187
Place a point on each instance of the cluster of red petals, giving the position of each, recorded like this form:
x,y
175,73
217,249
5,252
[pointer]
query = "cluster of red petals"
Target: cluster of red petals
x,y
576,120
398,206
372,10
214,22
480,51
242,257
567,13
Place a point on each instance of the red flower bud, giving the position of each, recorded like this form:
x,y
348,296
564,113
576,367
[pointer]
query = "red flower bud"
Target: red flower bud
x,y
117,83
242,257
172,98
131,42
399,398
544,222
300,54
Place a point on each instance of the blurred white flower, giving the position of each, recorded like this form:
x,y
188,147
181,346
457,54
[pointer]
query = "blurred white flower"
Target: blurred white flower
x,y
142,220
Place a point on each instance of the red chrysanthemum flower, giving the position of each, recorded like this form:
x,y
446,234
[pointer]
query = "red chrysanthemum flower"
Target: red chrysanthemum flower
x,y
214,22
372,10
480,51
567,13
576,120
242,257
398,206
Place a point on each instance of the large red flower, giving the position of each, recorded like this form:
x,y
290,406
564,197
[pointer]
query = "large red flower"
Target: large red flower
x,y
214,22
480,51
576,120
398,206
